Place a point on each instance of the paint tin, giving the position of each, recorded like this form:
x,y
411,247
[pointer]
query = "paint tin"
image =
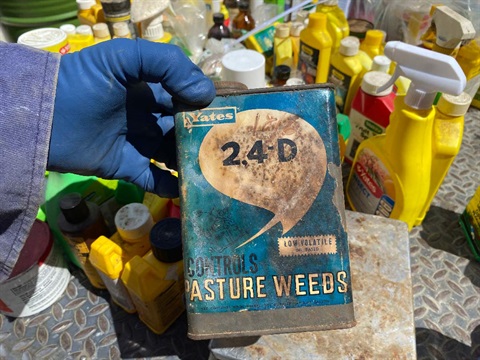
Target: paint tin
x,y
263,215
38,279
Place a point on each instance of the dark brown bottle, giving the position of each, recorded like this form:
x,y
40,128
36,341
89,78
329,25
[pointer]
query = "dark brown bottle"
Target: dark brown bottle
x,y
219,30
244,21
281,74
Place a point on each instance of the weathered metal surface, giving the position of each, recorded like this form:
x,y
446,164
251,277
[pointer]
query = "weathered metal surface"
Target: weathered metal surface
x,y
264,238
382,289
446,294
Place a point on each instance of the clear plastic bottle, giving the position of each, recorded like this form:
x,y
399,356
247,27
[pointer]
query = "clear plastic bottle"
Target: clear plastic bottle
x,y
219,30
244,21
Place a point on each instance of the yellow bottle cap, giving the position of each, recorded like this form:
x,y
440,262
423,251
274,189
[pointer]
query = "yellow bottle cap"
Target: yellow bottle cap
x,y
317,21
454,105
374,37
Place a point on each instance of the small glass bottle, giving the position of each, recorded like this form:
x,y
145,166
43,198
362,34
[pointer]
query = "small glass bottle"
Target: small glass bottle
x,y
244,21
281,74
81,223
219,30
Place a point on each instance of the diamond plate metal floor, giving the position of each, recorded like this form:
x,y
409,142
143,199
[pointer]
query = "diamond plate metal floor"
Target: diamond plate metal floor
x,y
83,324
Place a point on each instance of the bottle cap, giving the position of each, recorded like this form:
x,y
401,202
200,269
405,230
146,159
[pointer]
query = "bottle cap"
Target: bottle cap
x,y
317,20
374,37
74,208
100,30
133,221
295,82
121,29
349,46
69,29
281,72
454,105
85,4
296,28
282,31
216,6
372,80
381,63
166,240
84,30
359,27
243,5
218,18
152,29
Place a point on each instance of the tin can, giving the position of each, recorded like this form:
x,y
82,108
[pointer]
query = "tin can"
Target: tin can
x,y
39,277
263,215
49,39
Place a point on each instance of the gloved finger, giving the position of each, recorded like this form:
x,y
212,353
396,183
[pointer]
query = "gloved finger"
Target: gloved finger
x,y
168,65
139,170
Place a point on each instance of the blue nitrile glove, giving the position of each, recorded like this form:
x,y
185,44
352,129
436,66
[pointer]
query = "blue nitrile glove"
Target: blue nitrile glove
x,y
114,111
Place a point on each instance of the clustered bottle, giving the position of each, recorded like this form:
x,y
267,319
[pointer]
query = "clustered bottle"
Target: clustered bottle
x,y
219,30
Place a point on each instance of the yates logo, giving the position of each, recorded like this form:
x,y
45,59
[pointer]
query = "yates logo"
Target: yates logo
x,y
209,117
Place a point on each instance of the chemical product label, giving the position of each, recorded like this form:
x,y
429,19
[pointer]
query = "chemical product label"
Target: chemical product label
x,y
341,82
371,189
362,128
264,38
37,288
308,62
262,203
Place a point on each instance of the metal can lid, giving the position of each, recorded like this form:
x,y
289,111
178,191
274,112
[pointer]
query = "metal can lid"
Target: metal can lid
x,y
42,38
166,240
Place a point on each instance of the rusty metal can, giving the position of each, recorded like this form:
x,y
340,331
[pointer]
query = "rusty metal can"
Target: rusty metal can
x,y
263,215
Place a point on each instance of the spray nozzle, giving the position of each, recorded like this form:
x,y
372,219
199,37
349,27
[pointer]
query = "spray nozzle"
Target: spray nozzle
x,y
451,28
429,71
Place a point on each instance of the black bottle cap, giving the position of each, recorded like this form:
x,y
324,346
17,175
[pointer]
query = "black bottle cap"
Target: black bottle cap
x,y
218,18
282,72
166,240
74,208
243,5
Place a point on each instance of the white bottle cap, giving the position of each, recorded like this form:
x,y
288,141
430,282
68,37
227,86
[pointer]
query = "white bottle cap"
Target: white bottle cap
x,y
381,63
454,105
69,29
100,30
133,221
84,30
296,28
121,29
349,46
85,4
372,80
152,29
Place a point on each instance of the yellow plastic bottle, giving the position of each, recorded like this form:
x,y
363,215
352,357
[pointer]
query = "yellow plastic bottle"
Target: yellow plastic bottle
x,y
447,139
296,28
468,58
89,12
391,172
82,38
315,48
156,205
282,46
345,68
373,43
155,281
337,24
108,258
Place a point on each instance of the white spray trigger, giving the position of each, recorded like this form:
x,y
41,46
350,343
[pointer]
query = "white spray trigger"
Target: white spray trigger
x,y
429,71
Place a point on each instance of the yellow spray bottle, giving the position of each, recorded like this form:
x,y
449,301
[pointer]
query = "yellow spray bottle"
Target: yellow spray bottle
x,y
391,172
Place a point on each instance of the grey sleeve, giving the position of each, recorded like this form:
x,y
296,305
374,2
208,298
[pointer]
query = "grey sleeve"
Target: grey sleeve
x,y
28,79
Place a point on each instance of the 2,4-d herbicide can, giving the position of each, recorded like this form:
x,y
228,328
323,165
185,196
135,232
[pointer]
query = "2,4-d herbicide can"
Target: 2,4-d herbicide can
x,y
263,215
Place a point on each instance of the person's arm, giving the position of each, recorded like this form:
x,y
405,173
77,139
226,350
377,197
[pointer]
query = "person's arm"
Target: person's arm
x,y
28,80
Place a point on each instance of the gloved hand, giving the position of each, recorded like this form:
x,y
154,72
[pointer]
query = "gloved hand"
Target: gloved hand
x,y
114,111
